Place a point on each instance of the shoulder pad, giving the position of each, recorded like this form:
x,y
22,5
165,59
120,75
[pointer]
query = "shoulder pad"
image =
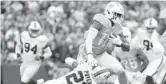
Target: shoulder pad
x,y
102,19
44,38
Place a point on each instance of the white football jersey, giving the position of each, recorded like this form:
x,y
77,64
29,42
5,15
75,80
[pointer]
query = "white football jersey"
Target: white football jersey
x,y
150,45
80,75
32,46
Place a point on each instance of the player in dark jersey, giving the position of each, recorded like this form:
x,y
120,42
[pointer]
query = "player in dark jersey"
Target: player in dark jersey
x,y
106,30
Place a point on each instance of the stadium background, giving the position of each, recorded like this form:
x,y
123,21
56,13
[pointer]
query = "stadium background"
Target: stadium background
x,y
64,22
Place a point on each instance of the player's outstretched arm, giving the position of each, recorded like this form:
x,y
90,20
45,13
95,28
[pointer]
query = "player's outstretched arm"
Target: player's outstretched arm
x,y
92,33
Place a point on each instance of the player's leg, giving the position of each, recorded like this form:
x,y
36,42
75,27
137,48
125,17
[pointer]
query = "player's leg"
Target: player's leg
x,y
159,76
111,62
29,72
152,69
22,68
153,66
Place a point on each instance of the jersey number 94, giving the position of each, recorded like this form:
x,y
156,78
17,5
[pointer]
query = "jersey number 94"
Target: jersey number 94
x,y
28,48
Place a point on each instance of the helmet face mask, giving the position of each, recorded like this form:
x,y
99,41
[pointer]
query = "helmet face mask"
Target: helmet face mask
x,y
34,33
34,29
115,12
117,18
150,29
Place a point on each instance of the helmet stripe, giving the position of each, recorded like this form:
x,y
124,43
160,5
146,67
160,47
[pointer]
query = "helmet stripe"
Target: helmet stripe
x,y
100,72
150,21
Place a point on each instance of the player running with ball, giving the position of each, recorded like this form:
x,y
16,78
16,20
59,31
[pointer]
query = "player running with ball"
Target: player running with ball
x,y
105,30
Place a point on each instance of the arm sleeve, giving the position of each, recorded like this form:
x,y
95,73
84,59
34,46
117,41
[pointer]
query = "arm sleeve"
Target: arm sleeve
x,y
92,33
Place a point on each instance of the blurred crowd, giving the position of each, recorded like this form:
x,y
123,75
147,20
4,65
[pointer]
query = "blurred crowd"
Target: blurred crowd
x,y
64,22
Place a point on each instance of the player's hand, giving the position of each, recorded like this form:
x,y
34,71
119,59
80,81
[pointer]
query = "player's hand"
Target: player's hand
x,y
19,59
91,60
115,39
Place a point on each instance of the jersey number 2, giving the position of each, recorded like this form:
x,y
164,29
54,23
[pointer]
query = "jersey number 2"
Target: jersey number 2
x,y
76,79
33,49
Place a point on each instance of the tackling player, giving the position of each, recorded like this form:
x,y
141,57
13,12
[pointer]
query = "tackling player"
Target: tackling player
x,y
82,74
106,28
148,41
32,49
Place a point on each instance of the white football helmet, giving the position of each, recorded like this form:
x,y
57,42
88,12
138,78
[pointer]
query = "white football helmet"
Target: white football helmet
x,y
150,24
114,11
34,28
101,74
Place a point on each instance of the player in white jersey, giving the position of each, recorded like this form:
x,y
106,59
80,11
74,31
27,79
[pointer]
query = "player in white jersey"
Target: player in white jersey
x,y
148,40
32,49
161,29
82,74
105,30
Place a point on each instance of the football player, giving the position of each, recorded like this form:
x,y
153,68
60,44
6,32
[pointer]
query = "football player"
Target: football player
x,y
148,41
161,75
106,29
32,49
131,60
82,74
